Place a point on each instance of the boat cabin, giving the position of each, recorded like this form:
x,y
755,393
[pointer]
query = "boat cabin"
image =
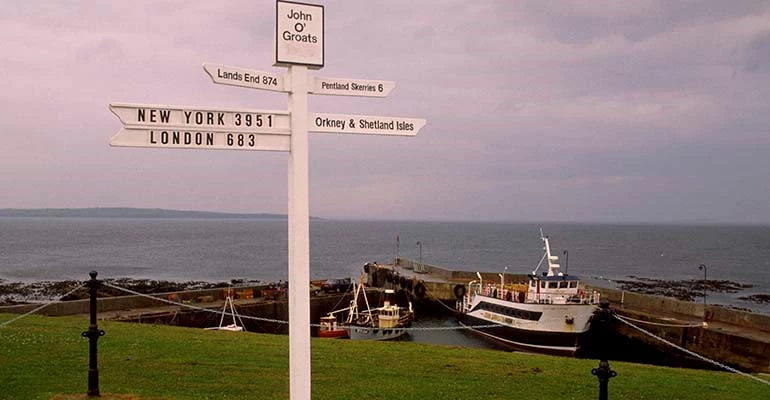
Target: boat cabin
x,y
388,314
328,323
559,289
550,287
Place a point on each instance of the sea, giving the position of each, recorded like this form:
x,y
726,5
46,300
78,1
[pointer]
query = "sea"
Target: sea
x,y
36,249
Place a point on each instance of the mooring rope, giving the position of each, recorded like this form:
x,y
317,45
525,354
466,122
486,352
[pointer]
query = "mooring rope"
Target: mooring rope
x,y
662,324
718,364
439,301
278,321
6,323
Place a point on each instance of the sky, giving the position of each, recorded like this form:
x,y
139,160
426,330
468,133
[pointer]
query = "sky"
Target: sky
x,y
539,111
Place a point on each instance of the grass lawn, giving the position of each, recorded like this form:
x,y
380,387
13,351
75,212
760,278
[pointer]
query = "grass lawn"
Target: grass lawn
x,y
46,358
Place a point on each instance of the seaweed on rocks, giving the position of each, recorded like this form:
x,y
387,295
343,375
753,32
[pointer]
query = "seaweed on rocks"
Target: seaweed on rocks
x,y
760,298
687,290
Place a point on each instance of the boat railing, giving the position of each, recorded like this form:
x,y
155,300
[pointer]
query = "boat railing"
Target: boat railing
x,y
510,293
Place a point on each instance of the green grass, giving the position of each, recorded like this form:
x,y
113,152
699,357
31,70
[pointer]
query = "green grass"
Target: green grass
x,y
44,358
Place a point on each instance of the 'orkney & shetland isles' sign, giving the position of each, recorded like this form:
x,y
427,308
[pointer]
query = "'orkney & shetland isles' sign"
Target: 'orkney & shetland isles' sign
x,y
299,34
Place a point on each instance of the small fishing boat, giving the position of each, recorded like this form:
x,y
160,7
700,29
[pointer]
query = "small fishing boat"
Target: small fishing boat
x,y
388,321
330,329
551,313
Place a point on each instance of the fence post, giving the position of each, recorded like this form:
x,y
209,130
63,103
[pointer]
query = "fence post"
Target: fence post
x,y
604,372
93,333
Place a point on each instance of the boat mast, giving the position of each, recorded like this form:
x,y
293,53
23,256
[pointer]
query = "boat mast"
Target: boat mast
x,y
553,268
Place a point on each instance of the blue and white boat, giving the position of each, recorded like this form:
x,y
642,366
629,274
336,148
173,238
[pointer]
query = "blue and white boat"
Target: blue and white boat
x,y
551,313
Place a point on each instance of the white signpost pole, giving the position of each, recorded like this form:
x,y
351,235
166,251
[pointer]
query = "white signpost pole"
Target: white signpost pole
x,y
299,239
299,44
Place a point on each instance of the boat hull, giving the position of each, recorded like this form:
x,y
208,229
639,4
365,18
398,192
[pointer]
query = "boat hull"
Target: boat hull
x,y
538,328
554,343
333,333
370,333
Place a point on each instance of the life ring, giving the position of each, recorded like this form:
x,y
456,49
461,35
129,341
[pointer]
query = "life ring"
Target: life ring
x,y
419,290
459,291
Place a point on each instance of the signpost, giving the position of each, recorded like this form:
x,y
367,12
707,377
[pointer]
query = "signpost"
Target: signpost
x,y
149,125
226,75
299,34
352,87
219,119
299,46
365,124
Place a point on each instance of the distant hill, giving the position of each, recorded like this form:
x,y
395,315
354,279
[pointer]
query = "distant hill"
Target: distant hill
x,y
127,212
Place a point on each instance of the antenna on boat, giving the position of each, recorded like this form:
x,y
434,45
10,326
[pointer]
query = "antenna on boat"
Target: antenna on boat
x,y
539,264
553,268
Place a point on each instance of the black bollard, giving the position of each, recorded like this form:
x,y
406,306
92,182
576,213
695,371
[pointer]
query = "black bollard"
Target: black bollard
x,y
93,334
604,372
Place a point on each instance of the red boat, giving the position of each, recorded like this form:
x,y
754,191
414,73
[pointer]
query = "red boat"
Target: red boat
x,y
329,328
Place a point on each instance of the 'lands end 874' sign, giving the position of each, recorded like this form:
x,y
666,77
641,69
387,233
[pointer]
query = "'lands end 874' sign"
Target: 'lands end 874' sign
x,y
299,34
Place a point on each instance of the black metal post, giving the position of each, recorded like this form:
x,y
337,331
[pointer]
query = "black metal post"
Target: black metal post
x,y
93,333
705,270
566,262
604,372
419,244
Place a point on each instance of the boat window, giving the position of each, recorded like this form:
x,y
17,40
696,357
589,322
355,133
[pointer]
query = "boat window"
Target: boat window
x,y
563,284
573,284
509,311
553,285
542,285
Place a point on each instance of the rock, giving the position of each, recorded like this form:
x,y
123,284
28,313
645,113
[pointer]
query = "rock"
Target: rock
x,y
686,290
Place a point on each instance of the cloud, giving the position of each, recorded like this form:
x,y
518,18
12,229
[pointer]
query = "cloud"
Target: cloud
x,y
599,110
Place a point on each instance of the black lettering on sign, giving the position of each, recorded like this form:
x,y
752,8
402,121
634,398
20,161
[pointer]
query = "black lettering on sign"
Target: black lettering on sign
x,y
182,138
141,115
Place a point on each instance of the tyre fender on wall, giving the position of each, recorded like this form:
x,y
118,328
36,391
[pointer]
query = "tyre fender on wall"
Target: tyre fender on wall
x,y
459,291
419,290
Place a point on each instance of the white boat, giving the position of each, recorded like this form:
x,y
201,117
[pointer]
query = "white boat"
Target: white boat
x,y
551,313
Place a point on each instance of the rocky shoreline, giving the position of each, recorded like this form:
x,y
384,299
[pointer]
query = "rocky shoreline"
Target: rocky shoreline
x,y
12,293
686,290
